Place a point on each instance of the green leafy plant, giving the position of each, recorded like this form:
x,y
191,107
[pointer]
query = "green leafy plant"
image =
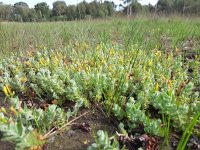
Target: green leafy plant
x,y
136,73
28,127
103,142
166,128
187,133
135,115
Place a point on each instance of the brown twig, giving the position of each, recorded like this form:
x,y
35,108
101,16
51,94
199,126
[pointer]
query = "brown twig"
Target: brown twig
x,y
50,133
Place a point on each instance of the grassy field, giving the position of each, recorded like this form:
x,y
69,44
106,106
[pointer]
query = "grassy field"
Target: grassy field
x,y
141,74
165,33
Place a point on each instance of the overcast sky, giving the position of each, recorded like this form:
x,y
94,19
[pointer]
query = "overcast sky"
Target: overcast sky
x,y
31,3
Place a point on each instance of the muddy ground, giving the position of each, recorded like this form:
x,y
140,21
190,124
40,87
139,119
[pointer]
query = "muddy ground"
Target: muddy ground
x,y
80,135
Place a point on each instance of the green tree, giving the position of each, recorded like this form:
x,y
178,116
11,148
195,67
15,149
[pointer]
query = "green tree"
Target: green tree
x,y
32,15
136,7
92,9
71,12
59,8
5,12
128,8
21,10
184,7
132,6
110,7
43,11
163,6
81,10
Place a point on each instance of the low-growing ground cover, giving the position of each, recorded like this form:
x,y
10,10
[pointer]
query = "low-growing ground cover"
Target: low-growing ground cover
x,y
139,78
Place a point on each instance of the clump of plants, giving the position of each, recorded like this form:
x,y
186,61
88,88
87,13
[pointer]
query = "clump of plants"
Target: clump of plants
x,y
129,83
32,127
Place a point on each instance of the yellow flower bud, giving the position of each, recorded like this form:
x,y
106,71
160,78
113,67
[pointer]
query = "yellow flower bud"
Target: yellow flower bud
x,y
16,70
103,61
158,54
150,62
3,110
170,84
177,50
13,110
5,91
111,52
157,87
23,79
9,90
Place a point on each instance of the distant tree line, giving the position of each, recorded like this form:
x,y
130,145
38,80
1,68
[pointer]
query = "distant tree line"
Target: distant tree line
x,y
184,7
21,12
164,7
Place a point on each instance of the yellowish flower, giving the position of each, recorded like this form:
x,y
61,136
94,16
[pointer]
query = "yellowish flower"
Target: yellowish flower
x,y
16,70
158,53
150,62
157,87
87,68
28,64
7,91
3,110
177,50
42,61
79,67
170,84
103,61
13,110
111,52
23,79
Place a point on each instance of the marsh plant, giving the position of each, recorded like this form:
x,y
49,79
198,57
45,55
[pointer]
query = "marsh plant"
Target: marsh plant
x,y
141,80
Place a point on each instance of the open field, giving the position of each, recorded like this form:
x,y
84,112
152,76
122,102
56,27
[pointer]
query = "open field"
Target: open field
x,y
63,83
165,33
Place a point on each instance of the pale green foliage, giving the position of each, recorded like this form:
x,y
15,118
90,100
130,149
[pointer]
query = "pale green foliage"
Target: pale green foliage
x,y
104,143
22,136
135,115
111,75
21,128
187,133
116,71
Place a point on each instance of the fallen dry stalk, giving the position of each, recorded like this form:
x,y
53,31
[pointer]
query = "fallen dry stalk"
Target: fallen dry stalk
x,y
50,133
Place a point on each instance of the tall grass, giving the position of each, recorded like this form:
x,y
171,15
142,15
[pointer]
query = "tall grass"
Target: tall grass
x,y
145,32
187,133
